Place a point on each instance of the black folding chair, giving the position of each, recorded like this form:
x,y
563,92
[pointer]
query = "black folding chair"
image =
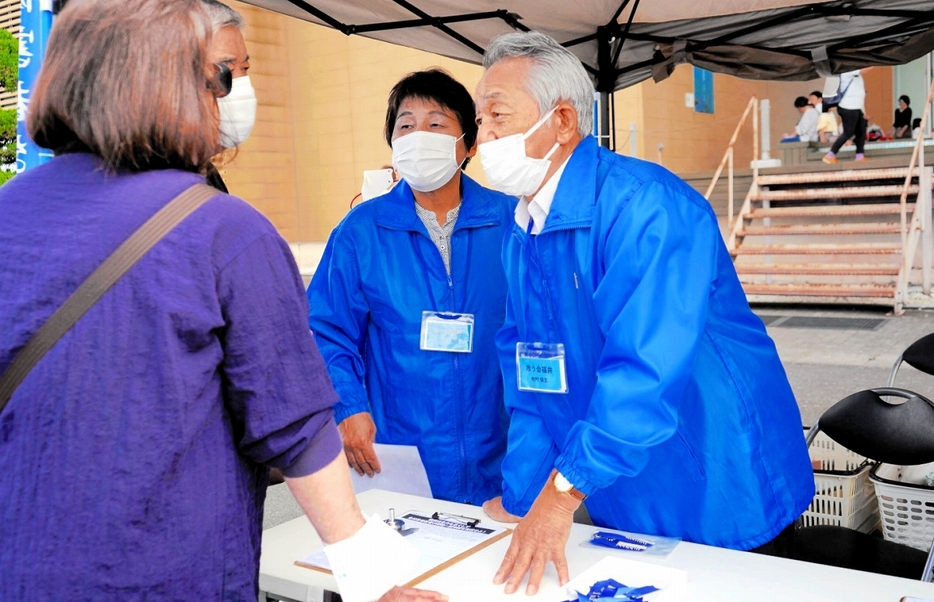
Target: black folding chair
x,y
892,433
918,355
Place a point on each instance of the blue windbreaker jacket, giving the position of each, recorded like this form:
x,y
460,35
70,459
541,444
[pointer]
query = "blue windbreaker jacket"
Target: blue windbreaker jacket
x,y
379,272
679,419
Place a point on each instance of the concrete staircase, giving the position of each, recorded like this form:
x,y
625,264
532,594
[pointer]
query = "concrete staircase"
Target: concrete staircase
x,y
827,237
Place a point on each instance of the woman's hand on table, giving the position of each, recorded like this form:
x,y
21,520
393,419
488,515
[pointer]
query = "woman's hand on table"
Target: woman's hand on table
x,y
495,510
359,433
539,538
409,594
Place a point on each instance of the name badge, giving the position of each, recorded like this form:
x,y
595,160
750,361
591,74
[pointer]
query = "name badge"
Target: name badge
x,y
444,331
540,368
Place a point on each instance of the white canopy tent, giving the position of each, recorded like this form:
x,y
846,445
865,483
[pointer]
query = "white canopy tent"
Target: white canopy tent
x,y
622,42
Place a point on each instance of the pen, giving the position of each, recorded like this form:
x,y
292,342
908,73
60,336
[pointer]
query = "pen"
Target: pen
x,y
470,522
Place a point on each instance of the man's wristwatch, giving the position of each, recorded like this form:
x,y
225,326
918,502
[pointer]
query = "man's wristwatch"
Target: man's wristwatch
x,y
564,486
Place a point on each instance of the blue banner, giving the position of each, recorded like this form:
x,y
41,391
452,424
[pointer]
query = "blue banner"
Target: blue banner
x,y
36,23
703,91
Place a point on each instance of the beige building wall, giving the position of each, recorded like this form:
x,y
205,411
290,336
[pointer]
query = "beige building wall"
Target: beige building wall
x,y
339,90
262,170
322,102
694,142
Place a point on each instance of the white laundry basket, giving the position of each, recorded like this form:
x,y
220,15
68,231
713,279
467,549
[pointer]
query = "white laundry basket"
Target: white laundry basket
x,y
844,495
906,504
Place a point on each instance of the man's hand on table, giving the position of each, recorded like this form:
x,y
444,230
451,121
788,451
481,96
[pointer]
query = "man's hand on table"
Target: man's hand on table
x,y
359,433
495,510
408,594
539,538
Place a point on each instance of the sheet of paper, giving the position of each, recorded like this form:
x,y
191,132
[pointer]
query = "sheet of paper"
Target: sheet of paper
x,y
437,541
402,472
672,583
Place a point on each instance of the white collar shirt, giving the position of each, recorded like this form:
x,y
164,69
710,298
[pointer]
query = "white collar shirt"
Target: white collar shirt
x,y
538,208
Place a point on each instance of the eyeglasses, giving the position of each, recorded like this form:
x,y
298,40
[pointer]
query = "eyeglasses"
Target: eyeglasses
x,y
222,82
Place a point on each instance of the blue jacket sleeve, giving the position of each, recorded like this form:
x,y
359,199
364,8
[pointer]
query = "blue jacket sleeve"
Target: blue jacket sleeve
x,y
530,453
660,258
338,316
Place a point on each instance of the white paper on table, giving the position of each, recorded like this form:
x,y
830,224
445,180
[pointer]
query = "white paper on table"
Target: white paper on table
x,y
371,562
402,472
672,583
437,541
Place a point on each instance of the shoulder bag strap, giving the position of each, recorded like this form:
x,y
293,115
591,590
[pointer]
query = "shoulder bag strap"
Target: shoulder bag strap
x,y
99,282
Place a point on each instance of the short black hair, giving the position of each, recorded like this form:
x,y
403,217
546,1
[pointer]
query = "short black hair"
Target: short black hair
x,y
906,99
801,102
817,93
435,85
916,123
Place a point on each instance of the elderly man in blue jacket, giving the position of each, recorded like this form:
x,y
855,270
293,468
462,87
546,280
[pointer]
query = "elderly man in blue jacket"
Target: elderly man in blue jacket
x,y
637,378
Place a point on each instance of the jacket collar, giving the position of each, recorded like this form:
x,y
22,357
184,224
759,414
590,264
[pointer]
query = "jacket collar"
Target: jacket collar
x,y
478,208
574,201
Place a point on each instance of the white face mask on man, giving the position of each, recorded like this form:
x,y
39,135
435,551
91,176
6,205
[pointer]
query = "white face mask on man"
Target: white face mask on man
x,y
426,160
508,169
237,112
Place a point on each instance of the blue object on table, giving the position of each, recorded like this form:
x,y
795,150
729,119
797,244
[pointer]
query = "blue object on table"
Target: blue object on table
x,y
619,541
610,589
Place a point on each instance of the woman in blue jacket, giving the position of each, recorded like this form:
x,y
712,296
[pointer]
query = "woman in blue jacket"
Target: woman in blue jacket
x,y
408,298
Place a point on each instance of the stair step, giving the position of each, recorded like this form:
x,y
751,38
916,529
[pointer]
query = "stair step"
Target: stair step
x,y
825,229
822,269
830,210
820,290
827,249
849,175
848,192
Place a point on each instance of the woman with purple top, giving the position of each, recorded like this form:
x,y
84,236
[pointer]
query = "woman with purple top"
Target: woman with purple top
x,y
134,457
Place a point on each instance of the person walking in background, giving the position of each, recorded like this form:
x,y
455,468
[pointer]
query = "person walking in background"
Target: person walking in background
x,y
851,109
409,295
901,127
135,453
806,128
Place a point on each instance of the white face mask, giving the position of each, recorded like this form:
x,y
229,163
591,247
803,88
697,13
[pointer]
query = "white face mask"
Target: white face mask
x,y
238,113
426,160
376,182
508,169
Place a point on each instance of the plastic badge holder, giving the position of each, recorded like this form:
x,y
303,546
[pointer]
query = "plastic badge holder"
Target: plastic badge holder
x,y
632,543
540,368
443,331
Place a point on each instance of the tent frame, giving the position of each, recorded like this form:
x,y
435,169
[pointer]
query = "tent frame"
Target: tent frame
x,y
612,37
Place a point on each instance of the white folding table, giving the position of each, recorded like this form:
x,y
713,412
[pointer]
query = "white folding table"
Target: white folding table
x,y
720,574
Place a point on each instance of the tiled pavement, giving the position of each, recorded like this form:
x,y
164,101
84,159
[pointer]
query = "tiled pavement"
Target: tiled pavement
x,y
824,363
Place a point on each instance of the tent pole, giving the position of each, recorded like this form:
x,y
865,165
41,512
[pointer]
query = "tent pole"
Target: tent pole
x,y
606,80
605,124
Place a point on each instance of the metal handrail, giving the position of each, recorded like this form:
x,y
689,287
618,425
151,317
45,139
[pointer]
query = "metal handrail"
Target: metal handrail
x,y
919,218
728,156
919,149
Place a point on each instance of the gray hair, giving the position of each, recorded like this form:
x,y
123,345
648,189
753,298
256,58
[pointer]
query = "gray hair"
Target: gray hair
x,y
555,74
222,15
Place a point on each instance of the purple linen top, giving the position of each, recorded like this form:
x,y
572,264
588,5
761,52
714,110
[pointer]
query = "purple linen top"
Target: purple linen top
x,y
133,457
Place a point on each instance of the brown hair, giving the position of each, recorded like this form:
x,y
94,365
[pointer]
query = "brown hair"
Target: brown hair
x,y
128,81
